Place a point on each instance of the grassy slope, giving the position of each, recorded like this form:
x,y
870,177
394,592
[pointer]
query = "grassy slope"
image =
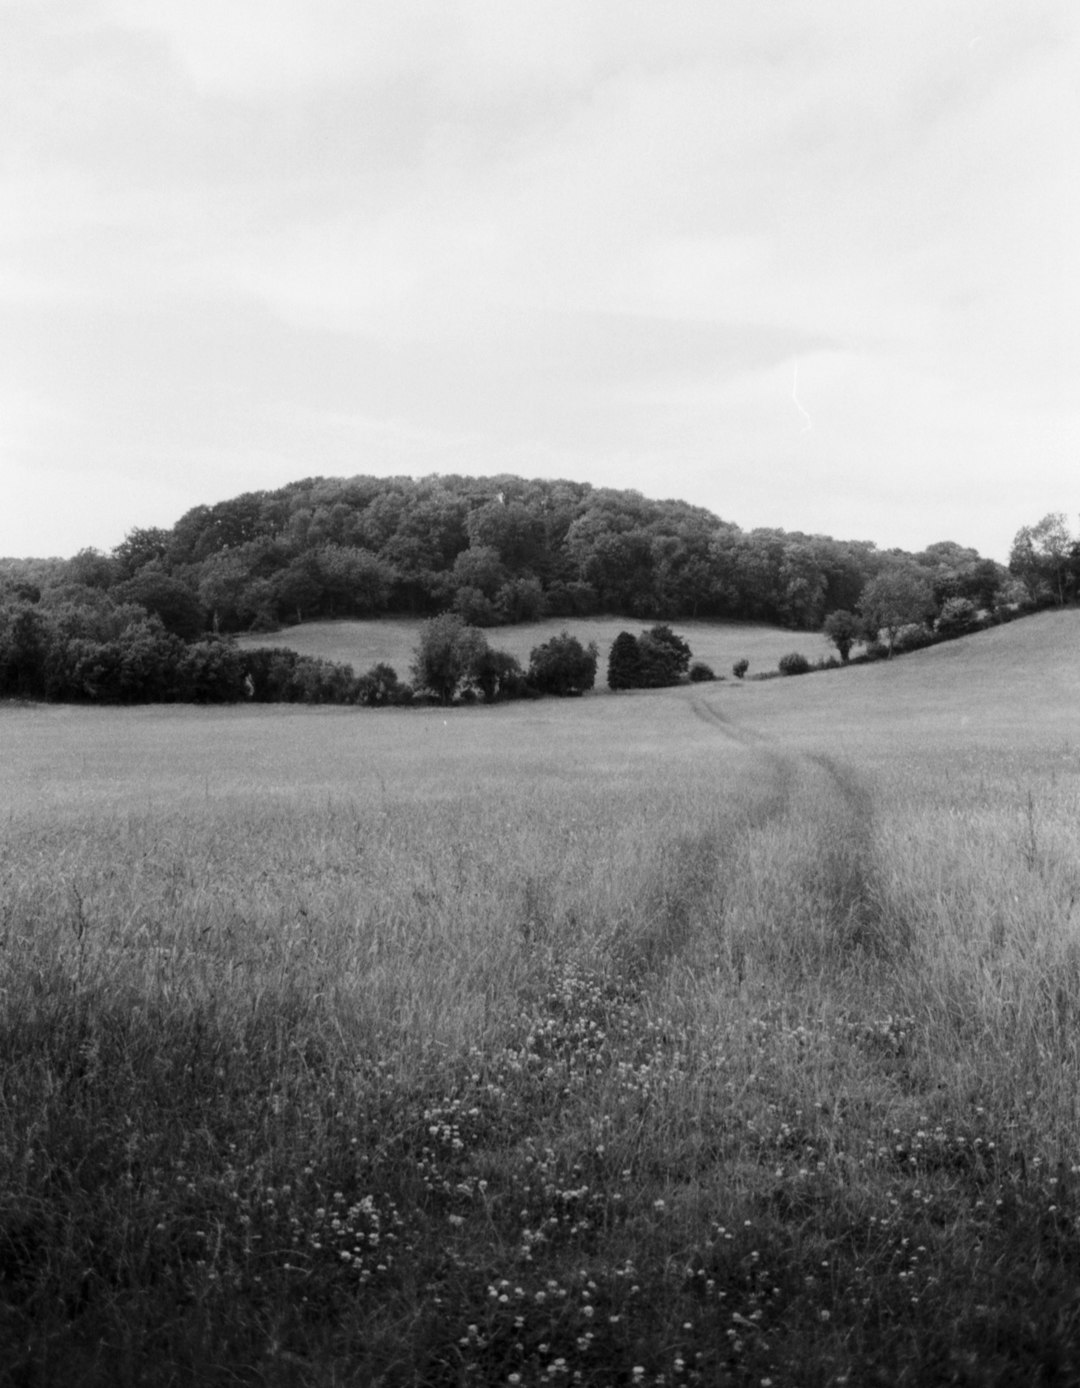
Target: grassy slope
x,y
727,1033
719,644
1016,682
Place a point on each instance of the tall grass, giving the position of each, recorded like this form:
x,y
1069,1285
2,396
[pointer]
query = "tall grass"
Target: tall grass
x,y
542,1047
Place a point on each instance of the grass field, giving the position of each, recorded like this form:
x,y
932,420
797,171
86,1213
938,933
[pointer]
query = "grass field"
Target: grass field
x,y
719,644
727,1034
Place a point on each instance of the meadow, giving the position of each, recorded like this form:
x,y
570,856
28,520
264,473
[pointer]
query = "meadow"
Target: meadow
x,y
724,1034
363,644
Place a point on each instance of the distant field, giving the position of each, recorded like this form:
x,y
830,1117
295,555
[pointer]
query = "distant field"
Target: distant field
x,y
728,1033
719,644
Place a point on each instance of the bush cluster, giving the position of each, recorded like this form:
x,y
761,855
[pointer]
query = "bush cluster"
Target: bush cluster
x,y
563,666
92,650
794,664
104,653
454,660
656,659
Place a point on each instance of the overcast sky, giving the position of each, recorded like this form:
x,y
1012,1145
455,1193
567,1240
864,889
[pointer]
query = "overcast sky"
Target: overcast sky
x,y
808,263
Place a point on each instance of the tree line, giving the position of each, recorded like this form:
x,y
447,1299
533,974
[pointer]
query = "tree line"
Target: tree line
x,y
495,550
151,619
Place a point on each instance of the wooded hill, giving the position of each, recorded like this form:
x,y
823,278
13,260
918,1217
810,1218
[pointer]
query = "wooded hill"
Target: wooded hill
x,y
152,620
496,550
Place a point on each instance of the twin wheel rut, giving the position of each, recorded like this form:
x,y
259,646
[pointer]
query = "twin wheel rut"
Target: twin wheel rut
x,y
836,782
827,797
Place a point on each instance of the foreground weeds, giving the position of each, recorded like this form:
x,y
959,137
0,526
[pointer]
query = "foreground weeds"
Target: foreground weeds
x,y
695,1091
610,1197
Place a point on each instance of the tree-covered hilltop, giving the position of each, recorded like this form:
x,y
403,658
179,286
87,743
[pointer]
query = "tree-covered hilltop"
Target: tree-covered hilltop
x,y
149,619
495,550
504,549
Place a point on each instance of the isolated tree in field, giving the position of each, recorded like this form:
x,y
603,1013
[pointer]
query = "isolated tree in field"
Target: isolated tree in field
x,y
624,662
898,597
740,668
446,652
563,666
1042,558
843,629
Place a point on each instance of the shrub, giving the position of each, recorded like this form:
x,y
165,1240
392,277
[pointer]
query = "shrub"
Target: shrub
x,y
563,666
324,681
270,672
700,672
496,674
794,664
740,668
278,675
654,660
913,637
210,672
663,658
380,685
959,615
677,647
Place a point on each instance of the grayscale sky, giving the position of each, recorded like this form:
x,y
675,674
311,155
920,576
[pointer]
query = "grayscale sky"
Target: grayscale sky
x,y
808,263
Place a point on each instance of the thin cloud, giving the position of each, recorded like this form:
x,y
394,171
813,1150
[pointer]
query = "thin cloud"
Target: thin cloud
x,y
598,234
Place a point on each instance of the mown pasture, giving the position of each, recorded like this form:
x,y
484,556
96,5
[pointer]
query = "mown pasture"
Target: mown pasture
x,y
720,1034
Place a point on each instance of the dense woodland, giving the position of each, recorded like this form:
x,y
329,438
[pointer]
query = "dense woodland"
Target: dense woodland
x,y
150,619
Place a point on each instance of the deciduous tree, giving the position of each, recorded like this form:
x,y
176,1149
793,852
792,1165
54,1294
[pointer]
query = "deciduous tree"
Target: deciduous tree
x,y
563,665
843,629
624,662
899,596
1042,558
444,655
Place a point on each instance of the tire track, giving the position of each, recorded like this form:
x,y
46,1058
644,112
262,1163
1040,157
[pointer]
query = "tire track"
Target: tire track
x,y
707,713
843,877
